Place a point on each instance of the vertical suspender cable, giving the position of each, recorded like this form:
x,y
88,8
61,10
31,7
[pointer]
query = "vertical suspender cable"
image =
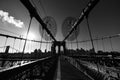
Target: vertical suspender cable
x,y
49,44
45,15
14,44
71,45
46,42
36,7
29,46
42,7
97,42
90,34
68,45
76,38
20,42
26,36
46,47
86,43
32,45
103,45
39,44
41,37
5,44
27,33
111,43
36,44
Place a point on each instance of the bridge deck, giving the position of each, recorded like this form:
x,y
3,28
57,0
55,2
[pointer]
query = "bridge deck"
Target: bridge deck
x,y
69,72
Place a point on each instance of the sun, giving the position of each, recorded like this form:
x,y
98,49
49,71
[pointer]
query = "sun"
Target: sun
x,y
31,36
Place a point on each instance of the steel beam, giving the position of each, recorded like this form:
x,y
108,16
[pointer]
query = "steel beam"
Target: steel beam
x,y
84,13
33,13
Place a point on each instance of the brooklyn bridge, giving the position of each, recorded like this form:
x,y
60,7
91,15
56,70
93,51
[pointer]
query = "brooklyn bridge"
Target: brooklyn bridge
x,y
52,58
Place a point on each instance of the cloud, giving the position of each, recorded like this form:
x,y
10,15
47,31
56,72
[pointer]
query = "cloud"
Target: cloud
x,y
10,19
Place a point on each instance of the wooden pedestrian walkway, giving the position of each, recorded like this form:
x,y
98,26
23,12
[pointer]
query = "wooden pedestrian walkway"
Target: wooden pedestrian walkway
x,y
69,72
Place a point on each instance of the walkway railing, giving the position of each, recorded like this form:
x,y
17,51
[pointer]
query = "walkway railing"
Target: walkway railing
x,y
77,65
95,71
40,69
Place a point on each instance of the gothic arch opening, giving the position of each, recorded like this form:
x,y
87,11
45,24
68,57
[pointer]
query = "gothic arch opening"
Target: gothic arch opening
x,y
56,49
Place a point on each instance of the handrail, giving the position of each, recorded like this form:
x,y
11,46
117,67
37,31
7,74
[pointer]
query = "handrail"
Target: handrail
x,y
27,64
26,70
17,56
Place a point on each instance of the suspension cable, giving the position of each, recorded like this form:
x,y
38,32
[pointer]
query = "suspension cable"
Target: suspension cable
x,y
31,46
26,36
103,45
43,7
5,43
14,43
46,46
36,7
27,33
20,42
46,43
84,13
106,37
28,45
90,33
97,42
76,38
5,35
71,46
41,37
111,43
49,47
34,13
9,31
